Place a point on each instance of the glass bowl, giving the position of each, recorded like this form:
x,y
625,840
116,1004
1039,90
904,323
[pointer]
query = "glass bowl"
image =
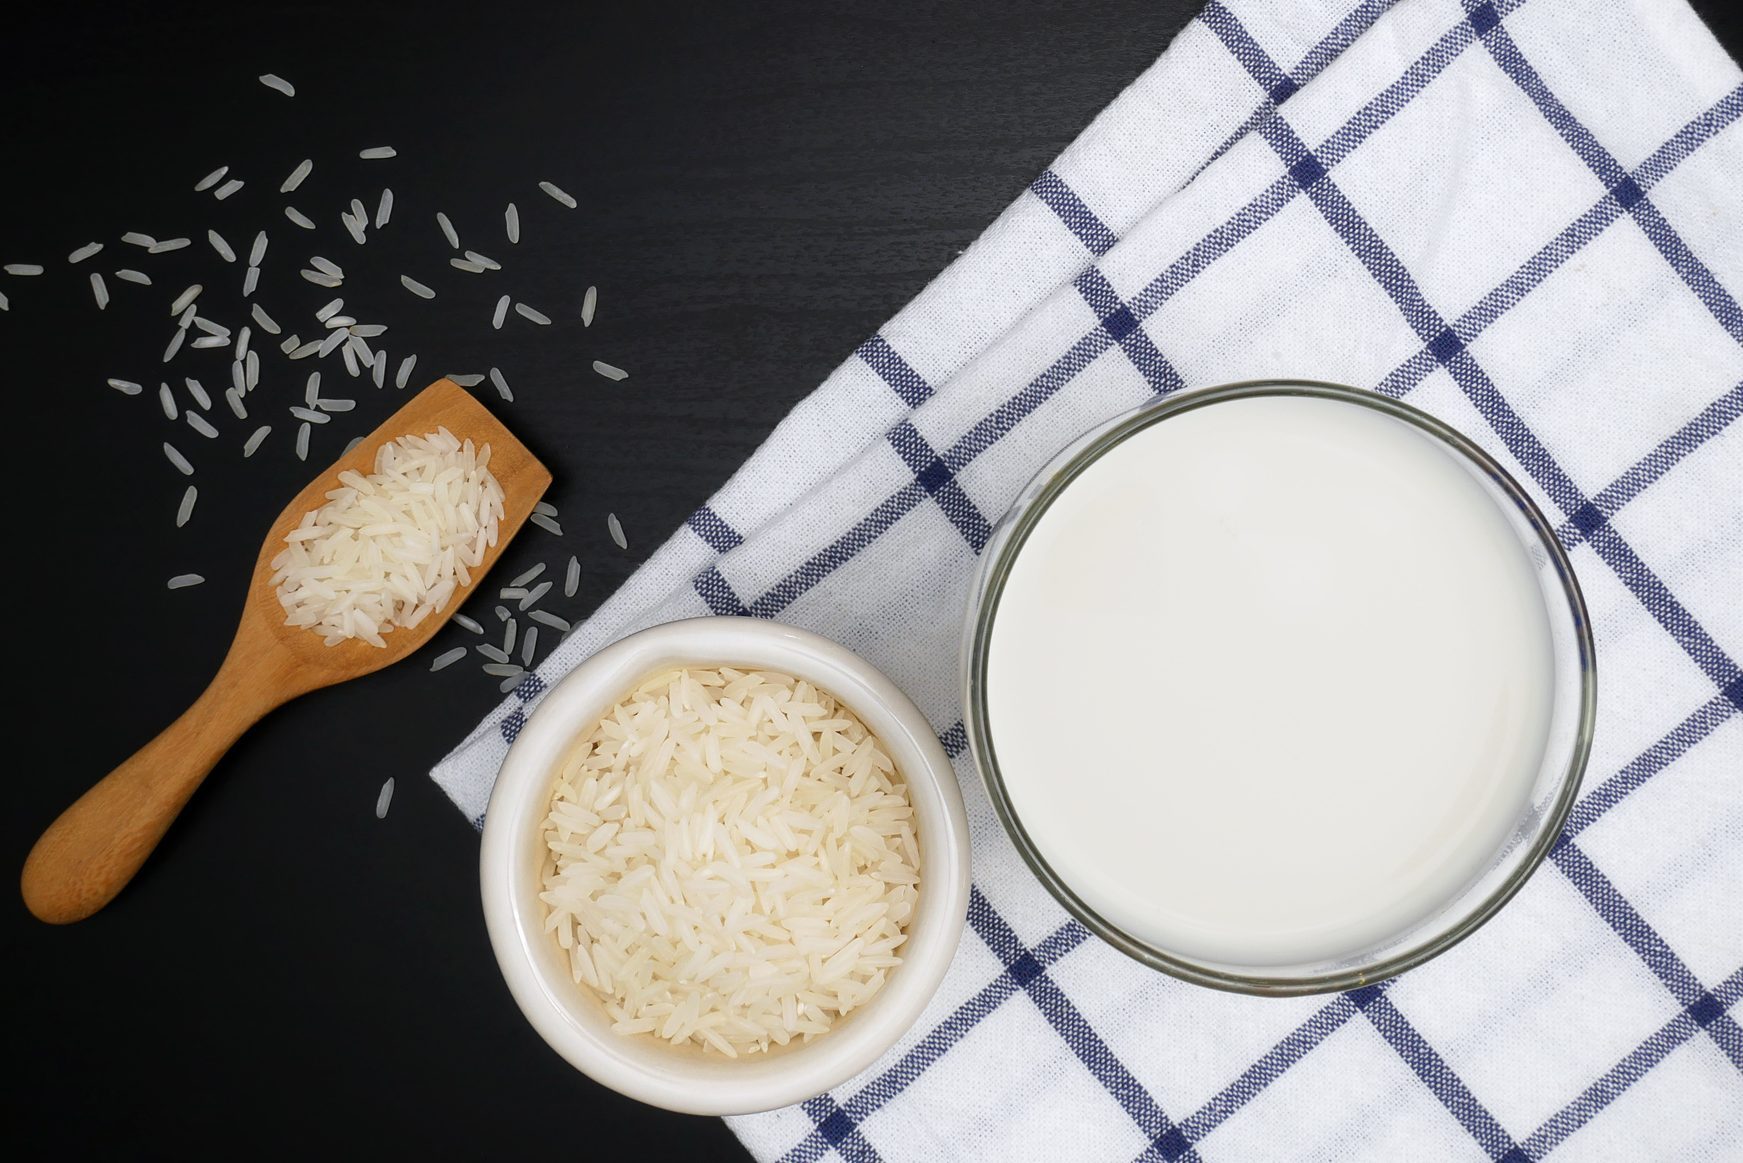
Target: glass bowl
x,y
1545,806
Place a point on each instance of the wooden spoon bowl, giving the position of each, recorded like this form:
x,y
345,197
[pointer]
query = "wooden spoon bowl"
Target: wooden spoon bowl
x,y
89,854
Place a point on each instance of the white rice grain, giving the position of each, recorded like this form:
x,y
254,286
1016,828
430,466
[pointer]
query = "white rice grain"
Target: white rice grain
x,y
309,414
405,371
175,345
238,376
327,266
84,252
177,459
537,316
483,260
242,338
329,309
384,208
99,291
321,279
267,323
494,653
448,657
298,217
312,389
555,192
467,381
126,387
331,344
615,528
448,231
529,575
572,579
207,342
304,168
23,268
511,671
167,401
134,238
466,265
470,624
377,153
560,625
367,330
211,328
221,246
545,523
132,276
227,189
201,425
274,81
416,287
184,300
255,439
290,343
589,302
333,404
183,580
168,244
302,442
196,390
306,350
253,371
378,368
501,385
349,354
529,645
250,281
511,223
186,508
500,314
608,371
546,508
234,398
512,681
211,179
534,595
354,228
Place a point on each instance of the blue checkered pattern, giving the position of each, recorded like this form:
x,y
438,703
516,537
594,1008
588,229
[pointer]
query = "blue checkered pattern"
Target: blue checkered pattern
x,y
1533,235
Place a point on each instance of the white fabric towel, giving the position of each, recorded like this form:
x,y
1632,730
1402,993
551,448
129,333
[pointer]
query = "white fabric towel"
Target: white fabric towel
x,y
1524,216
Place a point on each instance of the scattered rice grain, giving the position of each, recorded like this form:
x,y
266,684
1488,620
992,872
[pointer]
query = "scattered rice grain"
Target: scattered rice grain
x,y
416,287
211,179
448,231
385,796
377,153
560,195
267,323
303,442
608,371
448,657
405,371
200,424
511,221
274,81
526,312
227,189
126,387
500,314
220,245
560,625
384,208
545,523
99,291
255,439
186,508
132,276
177,459
615,528
470,624
167,401
298,217
589,302
572,579
182,581
304,168
501,385
195,389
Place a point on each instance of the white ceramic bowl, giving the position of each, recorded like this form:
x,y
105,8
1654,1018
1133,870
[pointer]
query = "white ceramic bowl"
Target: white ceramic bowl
x,y
571,1018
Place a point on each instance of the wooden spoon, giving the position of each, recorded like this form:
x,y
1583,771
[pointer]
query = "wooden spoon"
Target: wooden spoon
x,y
89,854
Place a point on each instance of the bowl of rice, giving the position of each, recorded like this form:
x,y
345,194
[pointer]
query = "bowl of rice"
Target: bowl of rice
x,y
725,866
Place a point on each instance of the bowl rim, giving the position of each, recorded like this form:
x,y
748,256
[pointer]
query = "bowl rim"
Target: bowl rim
x,y
514,918
1000,553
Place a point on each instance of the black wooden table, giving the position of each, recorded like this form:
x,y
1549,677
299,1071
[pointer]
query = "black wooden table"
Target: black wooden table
x,y
760,187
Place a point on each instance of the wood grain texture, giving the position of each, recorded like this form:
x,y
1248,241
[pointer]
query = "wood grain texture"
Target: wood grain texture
x,y
95,847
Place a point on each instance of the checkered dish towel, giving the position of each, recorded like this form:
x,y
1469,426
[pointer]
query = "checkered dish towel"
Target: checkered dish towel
x,y
1525,217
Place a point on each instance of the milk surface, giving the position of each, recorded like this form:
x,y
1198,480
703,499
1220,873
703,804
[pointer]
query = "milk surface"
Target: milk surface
x,y
1270,681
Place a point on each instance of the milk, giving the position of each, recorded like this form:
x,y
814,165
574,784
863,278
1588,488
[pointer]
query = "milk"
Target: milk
x,y
1270,682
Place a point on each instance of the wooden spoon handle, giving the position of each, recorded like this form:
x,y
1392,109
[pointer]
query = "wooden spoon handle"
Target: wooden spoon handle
x,y
88,855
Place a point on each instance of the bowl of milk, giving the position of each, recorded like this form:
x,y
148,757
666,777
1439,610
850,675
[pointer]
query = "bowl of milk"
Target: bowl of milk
x,y
1279,687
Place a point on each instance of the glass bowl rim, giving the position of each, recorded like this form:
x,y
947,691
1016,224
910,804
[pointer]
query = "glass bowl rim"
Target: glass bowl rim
x,y
1007,540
